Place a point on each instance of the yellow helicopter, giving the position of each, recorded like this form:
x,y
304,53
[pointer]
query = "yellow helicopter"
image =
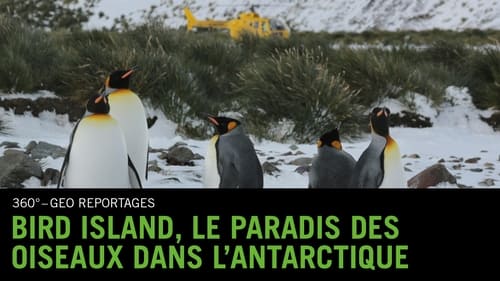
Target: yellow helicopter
x,y
246,22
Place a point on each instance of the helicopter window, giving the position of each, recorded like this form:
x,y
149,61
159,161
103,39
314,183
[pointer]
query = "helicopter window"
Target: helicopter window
x,y
265,27
256,25
277,24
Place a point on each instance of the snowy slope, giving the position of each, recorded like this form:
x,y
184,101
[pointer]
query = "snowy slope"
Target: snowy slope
x,y
321,15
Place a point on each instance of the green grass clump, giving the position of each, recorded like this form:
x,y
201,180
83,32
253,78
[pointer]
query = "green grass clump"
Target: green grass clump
x,y
296,86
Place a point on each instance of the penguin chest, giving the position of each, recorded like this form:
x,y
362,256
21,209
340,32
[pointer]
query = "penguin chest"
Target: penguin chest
x,y
211,175
98,156
127,109
393,167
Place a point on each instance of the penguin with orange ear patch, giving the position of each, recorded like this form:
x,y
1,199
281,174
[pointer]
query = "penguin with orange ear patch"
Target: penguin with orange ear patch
x,y
380,164
128,110
231,160
332,167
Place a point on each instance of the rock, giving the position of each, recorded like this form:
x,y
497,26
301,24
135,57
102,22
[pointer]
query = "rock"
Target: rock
x,y
487,182
163,155
44,149
50,176
157,150
412,156
303,169
431,176
489,166
260,153
198,157
302,161
441,160
493,121
409,119
30,146
173,179
73,107
473,160
456,160
180,156
476,170
177,144
289,153
16,167
9,144
154,168
293,147
270,168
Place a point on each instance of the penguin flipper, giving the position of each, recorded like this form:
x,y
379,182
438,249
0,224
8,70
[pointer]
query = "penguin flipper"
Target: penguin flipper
x,y
228,176
135,180
62,171
147,163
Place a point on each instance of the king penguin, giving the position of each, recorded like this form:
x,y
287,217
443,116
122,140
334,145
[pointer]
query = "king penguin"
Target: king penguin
x,y
128,110
231,160
332,166
379,166
97,154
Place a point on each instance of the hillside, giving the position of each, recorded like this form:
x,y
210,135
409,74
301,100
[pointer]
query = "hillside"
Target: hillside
x,y
320,15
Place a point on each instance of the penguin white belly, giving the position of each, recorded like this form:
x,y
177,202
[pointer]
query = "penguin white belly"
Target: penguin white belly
x,y
211,178
127,109
393,167
98,157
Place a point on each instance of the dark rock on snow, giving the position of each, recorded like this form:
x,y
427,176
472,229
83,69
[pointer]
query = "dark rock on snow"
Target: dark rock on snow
x,y
16,167
432,176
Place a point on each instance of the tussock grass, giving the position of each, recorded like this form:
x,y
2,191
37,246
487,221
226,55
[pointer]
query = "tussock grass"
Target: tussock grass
x,y
286,89
297,86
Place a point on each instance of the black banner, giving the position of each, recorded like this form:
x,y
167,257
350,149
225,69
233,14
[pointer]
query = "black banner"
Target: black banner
x,y
293,232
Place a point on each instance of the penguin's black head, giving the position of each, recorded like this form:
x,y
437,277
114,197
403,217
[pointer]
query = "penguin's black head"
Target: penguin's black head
x,y
379,120
331,139
119,79
98,103
223,124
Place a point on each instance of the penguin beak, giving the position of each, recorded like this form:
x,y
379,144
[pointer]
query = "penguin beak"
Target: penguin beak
x,y
127,74
213,120
102,96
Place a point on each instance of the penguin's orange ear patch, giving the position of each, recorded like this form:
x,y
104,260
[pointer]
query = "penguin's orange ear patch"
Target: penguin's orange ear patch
x,y
107,82
231,125
337,145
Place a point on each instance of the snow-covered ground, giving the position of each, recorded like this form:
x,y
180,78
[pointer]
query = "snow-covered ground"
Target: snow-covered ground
x,y
458,134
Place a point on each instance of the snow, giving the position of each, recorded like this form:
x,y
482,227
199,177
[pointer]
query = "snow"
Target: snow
x,y
31,96
320,15
457,133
